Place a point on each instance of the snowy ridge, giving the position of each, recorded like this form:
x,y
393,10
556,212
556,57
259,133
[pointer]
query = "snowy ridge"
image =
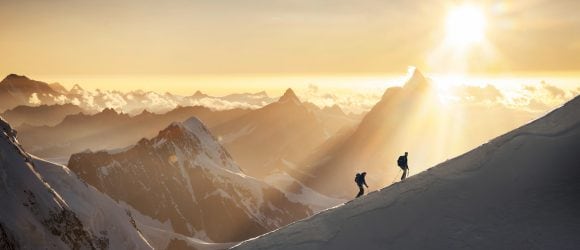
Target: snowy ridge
x,y
210,148
519,191
98,212
40,211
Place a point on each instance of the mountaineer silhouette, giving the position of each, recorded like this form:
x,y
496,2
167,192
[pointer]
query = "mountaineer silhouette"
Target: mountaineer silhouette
x,y
360,181
402,162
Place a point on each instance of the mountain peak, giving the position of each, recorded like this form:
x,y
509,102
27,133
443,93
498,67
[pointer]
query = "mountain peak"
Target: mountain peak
x,y
192,127
76,87
334,109
416,79
199,94
109,112
289,95
58,87
15,76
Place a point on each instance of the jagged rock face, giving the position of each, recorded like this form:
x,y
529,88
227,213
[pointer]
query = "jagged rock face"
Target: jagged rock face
x,y
32,214
184,176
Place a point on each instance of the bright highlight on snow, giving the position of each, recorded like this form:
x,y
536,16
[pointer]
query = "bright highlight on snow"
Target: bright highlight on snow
x,y
465,25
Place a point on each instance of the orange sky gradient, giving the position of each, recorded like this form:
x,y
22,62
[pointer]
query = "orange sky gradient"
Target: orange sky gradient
x,y
220,46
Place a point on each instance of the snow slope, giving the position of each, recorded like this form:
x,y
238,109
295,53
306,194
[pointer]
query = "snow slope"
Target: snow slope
x,y
296,191
56,211
519,191
97,211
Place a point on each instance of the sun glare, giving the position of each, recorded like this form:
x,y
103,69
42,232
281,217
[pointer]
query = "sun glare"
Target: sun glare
x,y
465,25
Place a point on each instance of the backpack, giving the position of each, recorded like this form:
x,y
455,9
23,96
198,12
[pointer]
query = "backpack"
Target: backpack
x,y
401,161
357,178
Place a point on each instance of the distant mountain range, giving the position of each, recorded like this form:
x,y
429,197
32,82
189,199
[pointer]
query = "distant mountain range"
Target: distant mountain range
x,y
279,134
109,129
18,90
43,115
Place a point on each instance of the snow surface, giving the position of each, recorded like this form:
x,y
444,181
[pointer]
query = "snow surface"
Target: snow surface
x,y
22,192
122,226
519,191
97,211
212,150
159,234
305,195
45,206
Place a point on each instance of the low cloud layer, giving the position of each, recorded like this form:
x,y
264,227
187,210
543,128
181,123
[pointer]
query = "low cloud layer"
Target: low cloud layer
x,y
138,101
533,97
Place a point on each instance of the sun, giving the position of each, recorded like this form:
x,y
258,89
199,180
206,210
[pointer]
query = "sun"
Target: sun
x,y
465,25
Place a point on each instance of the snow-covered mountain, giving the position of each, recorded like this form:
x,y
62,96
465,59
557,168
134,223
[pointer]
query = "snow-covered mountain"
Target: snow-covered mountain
x,y
185,178
113,219
44,206
518,191
263,140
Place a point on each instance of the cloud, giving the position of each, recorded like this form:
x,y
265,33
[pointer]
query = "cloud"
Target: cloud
x,y
220,104
553,90
537,105
158,103
530,88
75,101
349,101
34,99
88,100
313,88
61,99
487,94
114,101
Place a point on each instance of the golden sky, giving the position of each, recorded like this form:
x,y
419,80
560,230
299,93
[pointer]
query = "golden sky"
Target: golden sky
x,y
292,37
